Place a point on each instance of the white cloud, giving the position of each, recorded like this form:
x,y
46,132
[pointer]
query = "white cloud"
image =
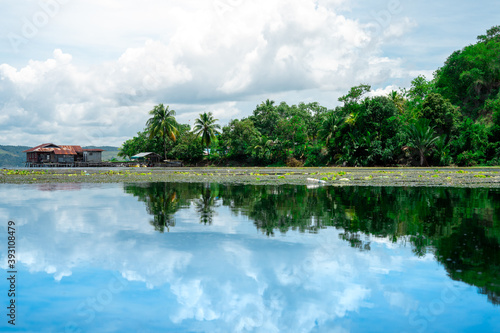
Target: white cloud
x,y
400,300
399,28
383,91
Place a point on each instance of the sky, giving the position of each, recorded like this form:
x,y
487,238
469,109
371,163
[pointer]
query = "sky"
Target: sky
x,y
87,72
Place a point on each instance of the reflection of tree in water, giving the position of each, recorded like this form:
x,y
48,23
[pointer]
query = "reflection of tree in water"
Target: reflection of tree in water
x,y
356,241
161,202
461,226
278,208
205,205
470,255
429,219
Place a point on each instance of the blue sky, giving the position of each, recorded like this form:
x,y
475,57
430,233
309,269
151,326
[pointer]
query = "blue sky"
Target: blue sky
x,y
88,72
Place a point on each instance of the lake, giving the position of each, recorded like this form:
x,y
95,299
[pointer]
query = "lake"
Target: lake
x,y
194,257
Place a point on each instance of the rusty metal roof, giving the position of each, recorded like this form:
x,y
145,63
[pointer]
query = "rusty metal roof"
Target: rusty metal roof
x,y
43,145
56,149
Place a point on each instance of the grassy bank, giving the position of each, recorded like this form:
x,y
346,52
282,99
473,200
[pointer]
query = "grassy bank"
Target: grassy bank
x,y
464,177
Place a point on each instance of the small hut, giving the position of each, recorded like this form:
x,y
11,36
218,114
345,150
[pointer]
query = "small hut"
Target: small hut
x,y
92,155
149,158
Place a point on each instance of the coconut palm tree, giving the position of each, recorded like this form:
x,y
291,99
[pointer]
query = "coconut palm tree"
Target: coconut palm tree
x,y
422,137
162,123
206,127
330,126
398,100
205,205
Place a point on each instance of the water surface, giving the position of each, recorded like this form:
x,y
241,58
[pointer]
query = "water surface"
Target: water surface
x,y
225,258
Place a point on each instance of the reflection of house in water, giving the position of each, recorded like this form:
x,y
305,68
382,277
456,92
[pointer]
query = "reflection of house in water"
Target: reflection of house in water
x,y
51,153
60,187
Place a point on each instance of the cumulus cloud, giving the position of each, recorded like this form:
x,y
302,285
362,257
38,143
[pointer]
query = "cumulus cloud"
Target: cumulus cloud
x,y
194,56
383,91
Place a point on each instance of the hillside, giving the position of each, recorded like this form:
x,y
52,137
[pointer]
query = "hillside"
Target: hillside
x,y
13,156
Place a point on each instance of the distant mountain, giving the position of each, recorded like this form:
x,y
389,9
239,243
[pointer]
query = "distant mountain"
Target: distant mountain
x,y
13,156
106,148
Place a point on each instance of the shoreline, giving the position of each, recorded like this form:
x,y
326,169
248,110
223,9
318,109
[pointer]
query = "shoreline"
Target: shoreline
x,y
314,176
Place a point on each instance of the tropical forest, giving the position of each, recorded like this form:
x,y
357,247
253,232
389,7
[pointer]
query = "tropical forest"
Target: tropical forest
x,y
451,119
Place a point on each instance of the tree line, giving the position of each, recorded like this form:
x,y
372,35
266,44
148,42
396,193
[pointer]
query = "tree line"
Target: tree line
x,y
453,118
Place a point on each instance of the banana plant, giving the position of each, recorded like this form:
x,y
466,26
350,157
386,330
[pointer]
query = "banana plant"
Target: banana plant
x,y
422,137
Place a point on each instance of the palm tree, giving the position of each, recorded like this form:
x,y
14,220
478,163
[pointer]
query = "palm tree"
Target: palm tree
x,y
421,136
266,148
330,127
206,127
205,204
163,123
398,100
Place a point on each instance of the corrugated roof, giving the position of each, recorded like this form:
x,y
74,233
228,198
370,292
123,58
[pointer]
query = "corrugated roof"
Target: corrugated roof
x,y
95,150
58,150
43,145
144,155
68,150
77,149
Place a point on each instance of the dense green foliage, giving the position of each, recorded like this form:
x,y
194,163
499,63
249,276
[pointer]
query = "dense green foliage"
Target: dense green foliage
x,y
451,119
471,76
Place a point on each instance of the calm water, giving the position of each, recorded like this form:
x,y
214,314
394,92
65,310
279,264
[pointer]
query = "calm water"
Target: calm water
x,y
218,258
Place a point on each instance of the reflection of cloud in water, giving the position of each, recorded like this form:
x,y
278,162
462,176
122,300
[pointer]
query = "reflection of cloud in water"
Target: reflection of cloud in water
x,y
295,288
402,301
88,227
241,258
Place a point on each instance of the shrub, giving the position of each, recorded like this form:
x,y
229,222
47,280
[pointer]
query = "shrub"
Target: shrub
x,y
294,163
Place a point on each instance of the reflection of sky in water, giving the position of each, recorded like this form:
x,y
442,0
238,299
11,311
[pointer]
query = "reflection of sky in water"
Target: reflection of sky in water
x,y
91,261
